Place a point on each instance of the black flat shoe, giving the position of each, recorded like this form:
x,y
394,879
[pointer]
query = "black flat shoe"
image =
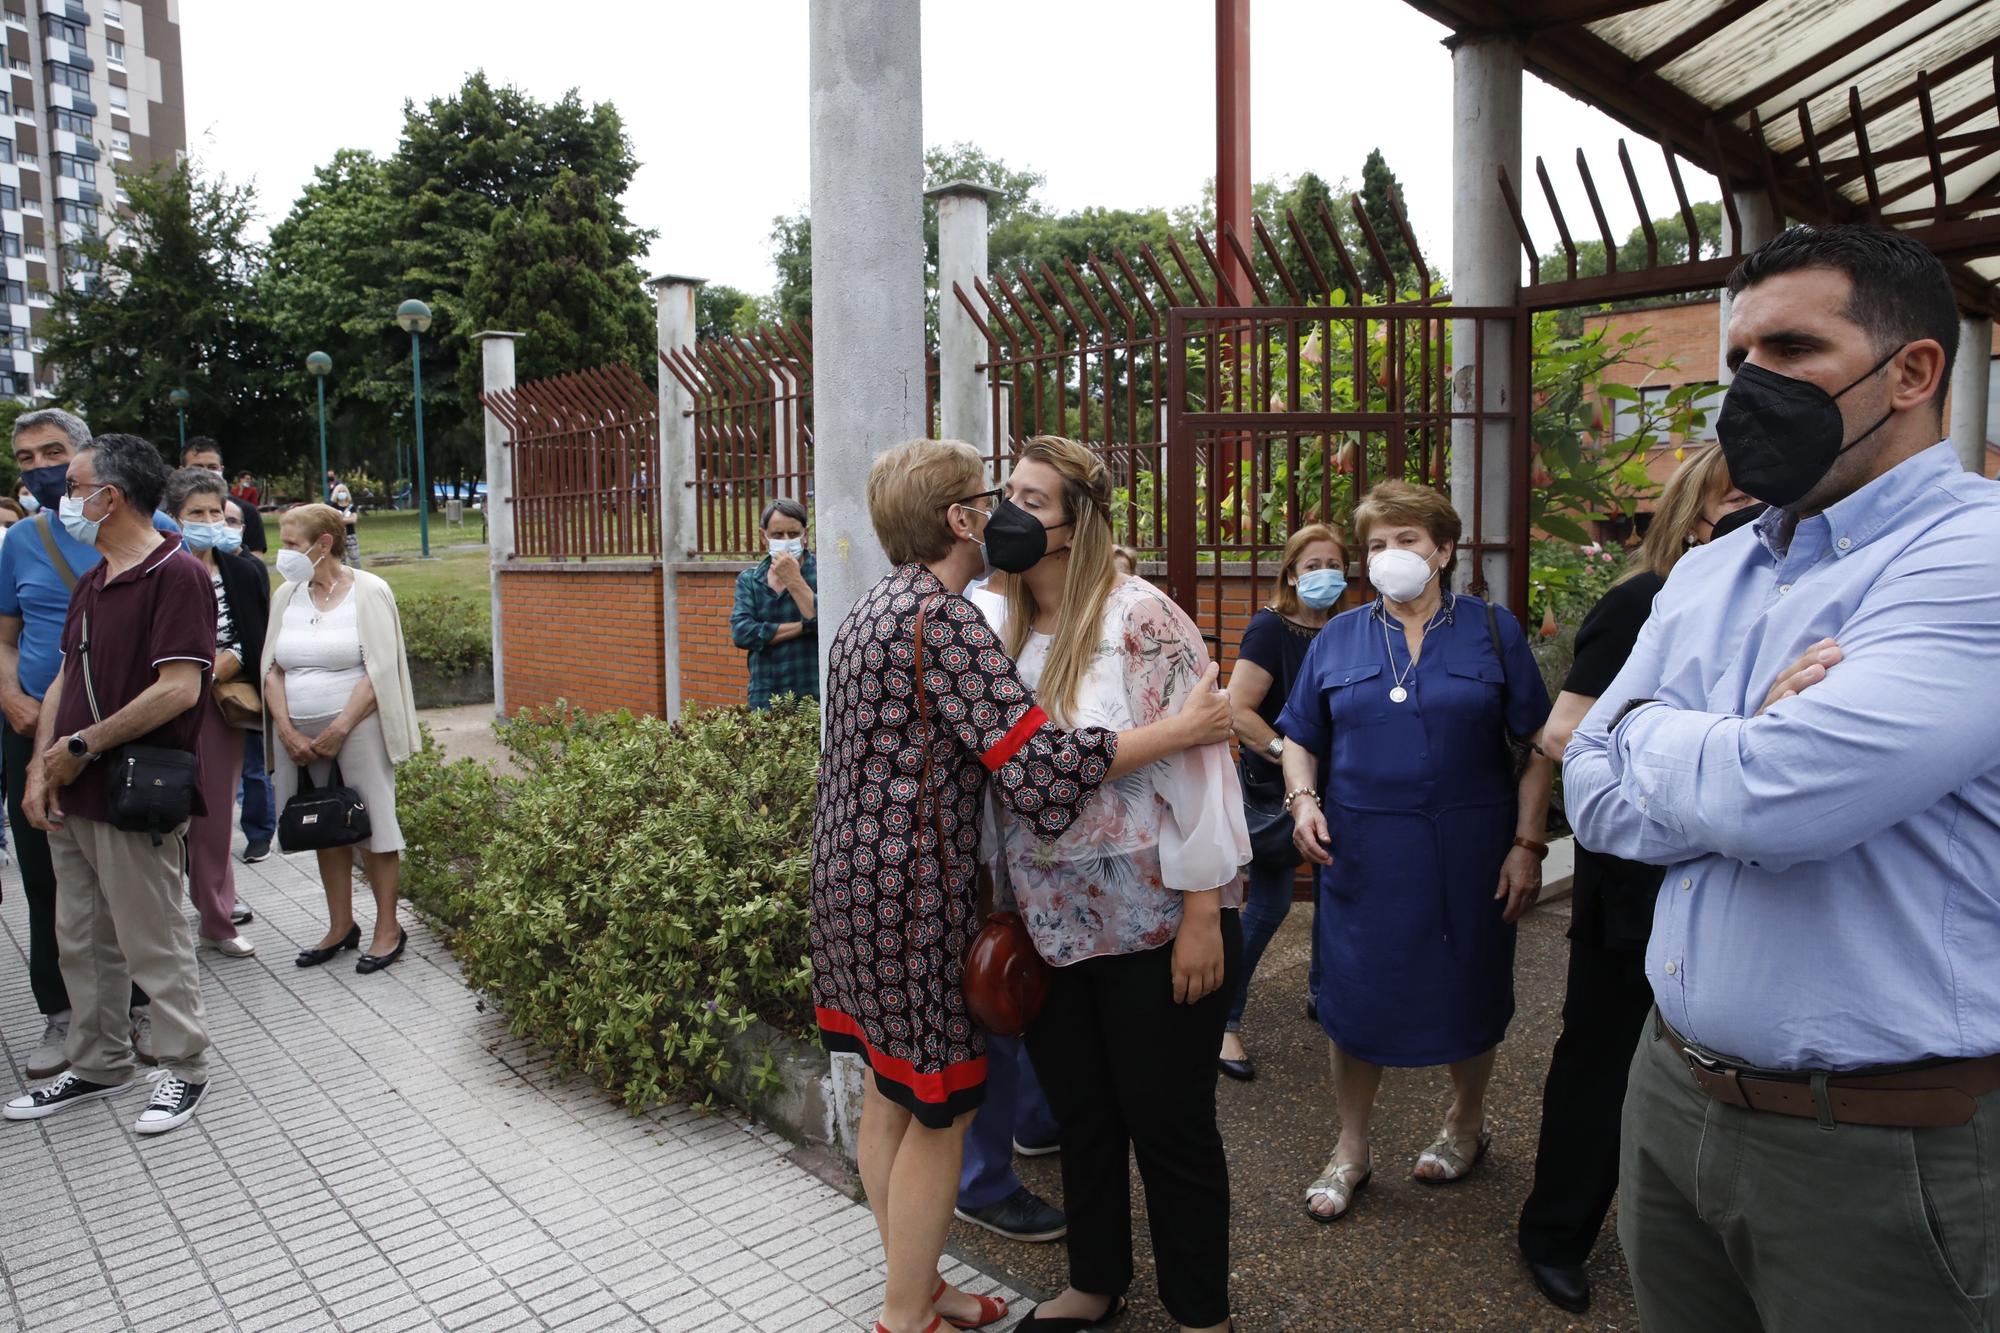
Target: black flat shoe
x,y
314,957
371,962
1240,1070
1036,1323
1564,1285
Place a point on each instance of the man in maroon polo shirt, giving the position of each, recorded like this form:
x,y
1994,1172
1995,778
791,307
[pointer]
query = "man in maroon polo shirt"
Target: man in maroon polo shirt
x,y
149,612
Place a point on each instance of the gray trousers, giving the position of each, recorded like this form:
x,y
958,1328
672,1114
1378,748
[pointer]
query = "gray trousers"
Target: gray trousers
x,y
1734,1219
119,920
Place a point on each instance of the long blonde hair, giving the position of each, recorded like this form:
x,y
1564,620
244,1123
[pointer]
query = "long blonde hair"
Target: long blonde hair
x,y
1086,501
1701,477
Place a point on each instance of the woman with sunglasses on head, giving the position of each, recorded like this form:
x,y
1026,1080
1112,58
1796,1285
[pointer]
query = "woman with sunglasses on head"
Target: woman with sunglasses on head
x,y
923,708
1134,906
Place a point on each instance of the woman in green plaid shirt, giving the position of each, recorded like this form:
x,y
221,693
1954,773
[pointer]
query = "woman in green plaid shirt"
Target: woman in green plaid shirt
x,y
776,615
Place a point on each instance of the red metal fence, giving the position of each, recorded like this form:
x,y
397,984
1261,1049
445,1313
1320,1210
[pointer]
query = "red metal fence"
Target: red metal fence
x,y
586,446
753,432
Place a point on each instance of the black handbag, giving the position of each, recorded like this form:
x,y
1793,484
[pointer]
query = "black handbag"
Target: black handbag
x,y
317,818
152,786
1264,811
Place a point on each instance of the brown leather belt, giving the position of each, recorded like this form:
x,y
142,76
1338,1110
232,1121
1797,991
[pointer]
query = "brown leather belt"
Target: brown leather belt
x,y
1915,1097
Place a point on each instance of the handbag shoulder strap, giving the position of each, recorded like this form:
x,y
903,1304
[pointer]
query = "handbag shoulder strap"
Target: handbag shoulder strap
x,y
63,571
924,800
89,690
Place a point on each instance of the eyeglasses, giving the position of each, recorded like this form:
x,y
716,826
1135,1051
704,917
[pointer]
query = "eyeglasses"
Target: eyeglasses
x,y
70,485
995,493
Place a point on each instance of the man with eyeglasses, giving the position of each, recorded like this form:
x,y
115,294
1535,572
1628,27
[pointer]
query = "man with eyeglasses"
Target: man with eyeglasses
x,y
38,570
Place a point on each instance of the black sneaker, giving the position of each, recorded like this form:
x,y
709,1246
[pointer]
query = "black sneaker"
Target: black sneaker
x,y
255,852
239,915
60,1095
1037,1149
1019,1216
172,1105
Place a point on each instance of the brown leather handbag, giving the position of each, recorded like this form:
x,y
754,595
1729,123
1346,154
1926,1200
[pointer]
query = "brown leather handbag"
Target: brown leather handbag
x,y
1006,979
241,708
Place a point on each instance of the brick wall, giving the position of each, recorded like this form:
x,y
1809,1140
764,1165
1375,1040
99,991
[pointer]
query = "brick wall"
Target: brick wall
x,y
715,673
588,632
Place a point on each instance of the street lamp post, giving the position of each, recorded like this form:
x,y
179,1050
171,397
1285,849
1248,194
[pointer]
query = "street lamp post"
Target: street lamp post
x,y
319,363
179,398
415,317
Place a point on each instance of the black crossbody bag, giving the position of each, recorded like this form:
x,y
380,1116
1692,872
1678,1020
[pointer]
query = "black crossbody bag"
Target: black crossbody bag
x,y
317,818
152,786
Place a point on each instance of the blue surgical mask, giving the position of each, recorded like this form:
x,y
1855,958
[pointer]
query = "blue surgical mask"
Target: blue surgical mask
x,y
203,536
230,539
792,546
1321,588
73,521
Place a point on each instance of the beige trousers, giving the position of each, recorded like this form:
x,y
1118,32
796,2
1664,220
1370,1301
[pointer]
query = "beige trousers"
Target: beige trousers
x,y
119,920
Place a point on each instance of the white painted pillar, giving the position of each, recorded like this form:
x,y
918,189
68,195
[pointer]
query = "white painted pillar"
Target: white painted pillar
x,y
1971,385
965,409
677,499
868,277
496,353
1485,271
1760,223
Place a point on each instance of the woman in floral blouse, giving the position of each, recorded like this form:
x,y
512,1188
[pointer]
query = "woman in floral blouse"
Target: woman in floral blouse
x,y
1135,906
912,736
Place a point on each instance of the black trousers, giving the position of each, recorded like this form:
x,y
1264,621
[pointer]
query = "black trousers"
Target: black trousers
x,y
38,880
1576,1162
1126,1070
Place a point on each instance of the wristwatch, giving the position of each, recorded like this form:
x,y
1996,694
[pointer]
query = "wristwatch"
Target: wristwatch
x,y
78,749
1276,749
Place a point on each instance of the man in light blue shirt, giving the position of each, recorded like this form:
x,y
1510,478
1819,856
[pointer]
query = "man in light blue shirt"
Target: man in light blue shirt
x,y
1805,736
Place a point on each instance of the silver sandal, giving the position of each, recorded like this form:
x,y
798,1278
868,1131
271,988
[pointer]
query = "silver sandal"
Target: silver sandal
x,y
1457,1154
1340,1182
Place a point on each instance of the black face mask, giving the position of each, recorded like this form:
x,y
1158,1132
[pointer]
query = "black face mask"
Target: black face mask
x,y
1781,435
46,484
1734,519
1015,539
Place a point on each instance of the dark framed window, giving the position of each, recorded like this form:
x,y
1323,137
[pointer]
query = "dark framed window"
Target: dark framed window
x,y
75,168
65,119
10,196
69,76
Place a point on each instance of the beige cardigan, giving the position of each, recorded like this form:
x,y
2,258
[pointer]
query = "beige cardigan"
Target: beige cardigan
x,y
381,650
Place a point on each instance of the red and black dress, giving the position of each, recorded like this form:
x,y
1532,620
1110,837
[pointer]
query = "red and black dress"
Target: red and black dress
x,y
892,912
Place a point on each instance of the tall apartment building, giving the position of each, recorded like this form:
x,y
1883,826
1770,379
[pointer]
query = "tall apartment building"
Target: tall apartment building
x,y
93,87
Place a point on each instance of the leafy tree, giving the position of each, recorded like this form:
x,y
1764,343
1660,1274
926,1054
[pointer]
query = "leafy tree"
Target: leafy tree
x,y
171,304
720,310
562,273
1378,187
792,253
369,233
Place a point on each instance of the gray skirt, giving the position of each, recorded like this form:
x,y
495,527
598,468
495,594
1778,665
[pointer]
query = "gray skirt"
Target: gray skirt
x,y
364,766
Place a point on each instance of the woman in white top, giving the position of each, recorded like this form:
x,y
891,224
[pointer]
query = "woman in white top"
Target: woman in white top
x,y
1134,906
337,686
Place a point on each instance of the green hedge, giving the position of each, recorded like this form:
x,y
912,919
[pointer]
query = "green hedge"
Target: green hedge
x,y
451,634
638,896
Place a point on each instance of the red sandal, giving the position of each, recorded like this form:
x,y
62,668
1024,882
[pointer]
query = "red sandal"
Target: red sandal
x,y
931,1327
991,1308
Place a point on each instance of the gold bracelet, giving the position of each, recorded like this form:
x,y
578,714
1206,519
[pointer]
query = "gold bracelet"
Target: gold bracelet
x,y
1297,792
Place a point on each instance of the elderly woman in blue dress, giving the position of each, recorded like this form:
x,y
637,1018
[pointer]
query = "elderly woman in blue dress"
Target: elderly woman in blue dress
x,y
1428,847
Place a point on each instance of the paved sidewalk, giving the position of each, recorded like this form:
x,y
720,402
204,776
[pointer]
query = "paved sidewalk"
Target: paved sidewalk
x,y
378,1153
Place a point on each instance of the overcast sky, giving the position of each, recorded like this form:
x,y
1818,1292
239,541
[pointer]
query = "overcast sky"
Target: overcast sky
x,y
1113,100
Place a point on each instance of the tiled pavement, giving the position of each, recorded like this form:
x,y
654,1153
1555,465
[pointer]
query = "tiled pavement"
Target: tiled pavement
x,y
377,1153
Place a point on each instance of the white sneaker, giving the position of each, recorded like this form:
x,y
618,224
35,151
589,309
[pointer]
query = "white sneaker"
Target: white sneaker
x,y
233,947
142,1035
49,1059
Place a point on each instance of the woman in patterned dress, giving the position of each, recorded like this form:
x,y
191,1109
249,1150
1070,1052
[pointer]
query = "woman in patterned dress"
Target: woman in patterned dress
x,y
1135,907
909,749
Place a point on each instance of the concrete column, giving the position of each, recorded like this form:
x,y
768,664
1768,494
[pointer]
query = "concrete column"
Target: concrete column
x,y
1760,223
965,408
1971,383
1485,271
868,277
496,352
677,498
